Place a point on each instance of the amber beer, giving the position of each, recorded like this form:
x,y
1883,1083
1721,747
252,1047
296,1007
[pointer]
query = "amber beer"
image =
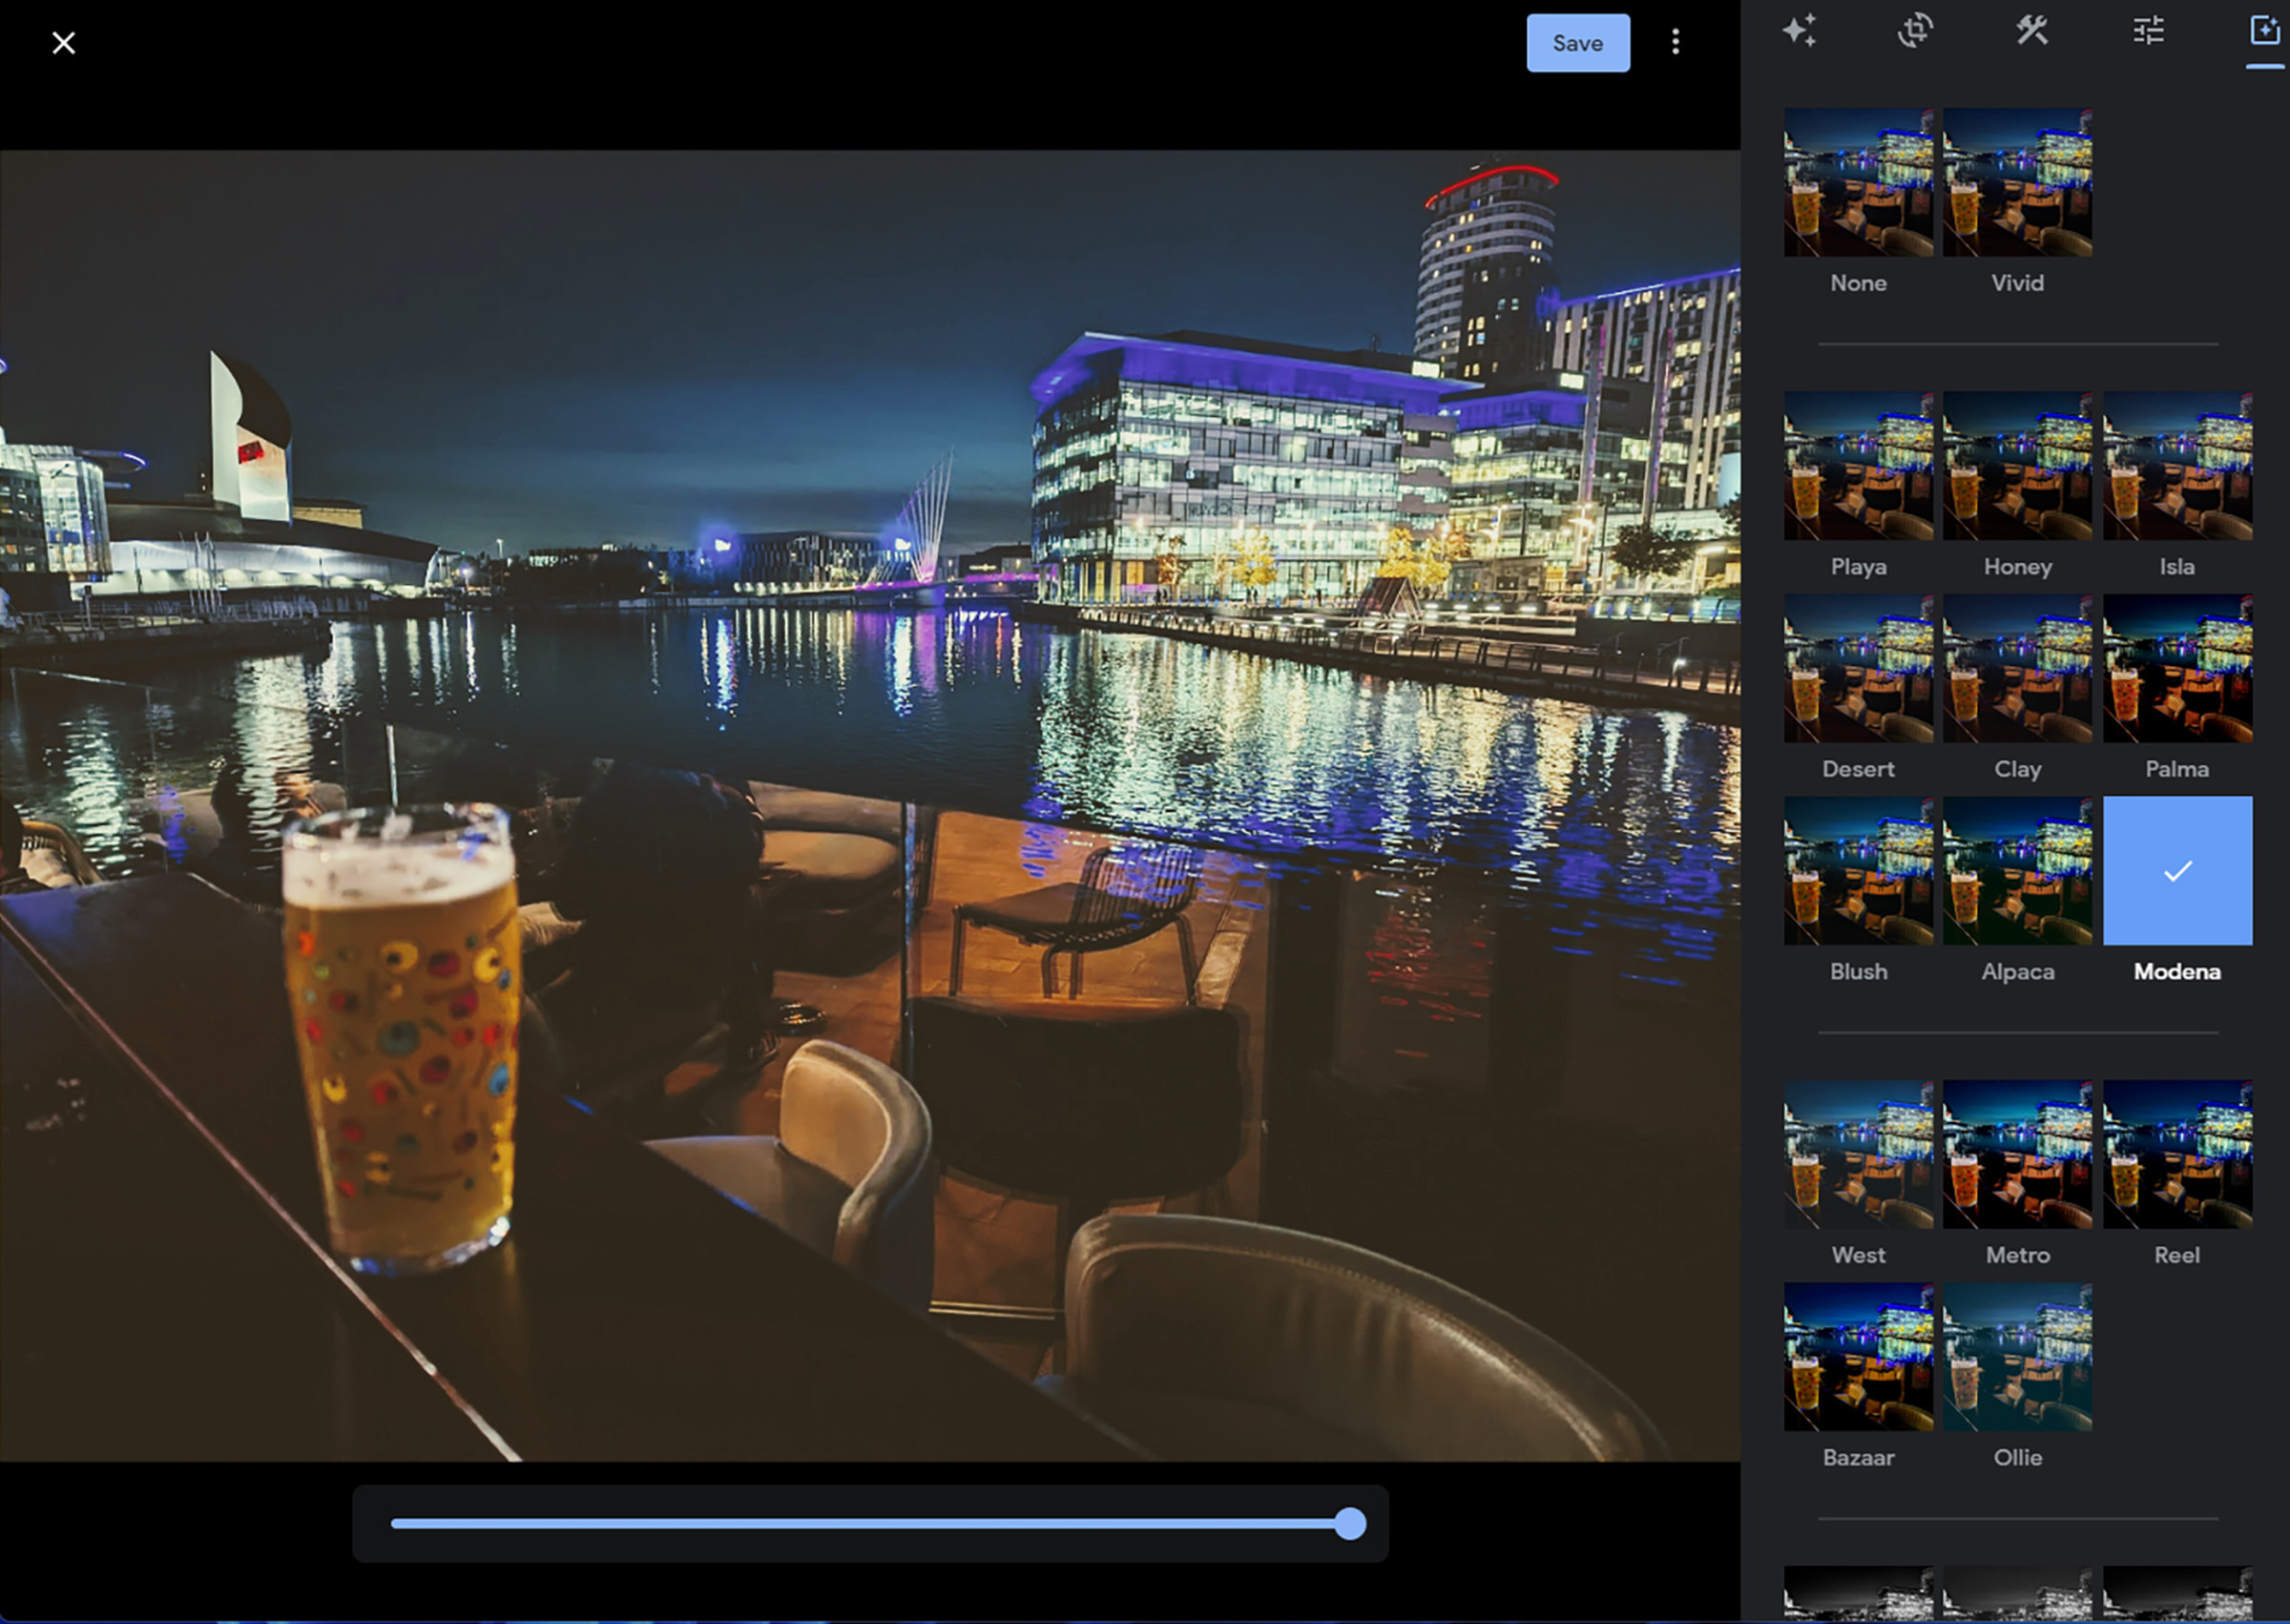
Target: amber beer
x,y
1804,1179
1804,1384
1804,895
2126,482
1805,485
1964,1180
1964,899
1964,696
1964,492
405,978
1804,209
2123,1170
1964,210
2123,682
1963,1377
1804,691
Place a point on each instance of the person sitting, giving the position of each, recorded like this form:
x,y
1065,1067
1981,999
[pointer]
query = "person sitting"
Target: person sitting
x,y
659,872
13,879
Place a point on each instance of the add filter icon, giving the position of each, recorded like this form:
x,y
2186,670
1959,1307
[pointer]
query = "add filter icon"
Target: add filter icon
x,y
2265,30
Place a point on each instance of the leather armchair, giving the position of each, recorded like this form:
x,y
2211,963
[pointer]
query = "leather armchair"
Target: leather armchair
x,y
1204,1338
851,1174
2063,1215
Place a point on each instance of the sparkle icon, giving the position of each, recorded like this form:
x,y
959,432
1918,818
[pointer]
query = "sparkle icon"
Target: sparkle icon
x,y
1798,33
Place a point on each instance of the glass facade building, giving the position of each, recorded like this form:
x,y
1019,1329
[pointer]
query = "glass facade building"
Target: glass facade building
x,y
1486,272
1701,317
55,518
1198,467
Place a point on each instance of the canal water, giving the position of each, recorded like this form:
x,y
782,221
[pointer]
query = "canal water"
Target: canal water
x,y
1632,809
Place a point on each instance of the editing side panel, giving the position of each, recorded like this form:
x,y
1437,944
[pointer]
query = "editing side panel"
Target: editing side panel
x,y
2006,1037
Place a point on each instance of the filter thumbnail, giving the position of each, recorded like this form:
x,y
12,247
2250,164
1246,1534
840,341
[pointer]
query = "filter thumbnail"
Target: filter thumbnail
x,y
1859,465
2019,667
2180,466
1857,1356
2020,465
2018,1155
1859,182
2179,668
1857,1592
1860,870
2020,871
1858,1155
2019,182
2178,1592
2019,1592
2019,1357
1860,668
2179,1155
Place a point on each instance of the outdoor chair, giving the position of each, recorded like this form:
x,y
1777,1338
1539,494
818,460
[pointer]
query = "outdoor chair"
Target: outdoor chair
x,y
1125,894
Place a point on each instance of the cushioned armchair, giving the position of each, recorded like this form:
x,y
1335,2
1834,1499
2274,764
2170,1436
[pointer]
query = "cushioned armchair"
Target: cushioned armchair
x,y
1201,1339
839,864
850,1175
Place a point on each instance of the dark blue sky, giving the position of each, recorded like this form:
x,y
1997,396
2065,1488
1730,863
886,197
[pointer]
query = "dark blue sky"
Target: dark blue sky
x,y
1848,412
1825,1104
2161,1101
2144,413
1847,817
559,349
2012,411
1848,614
1999,129
1847,1303
1997,817
1997,614
2168,615
1842,129
2007,1302
2004,1102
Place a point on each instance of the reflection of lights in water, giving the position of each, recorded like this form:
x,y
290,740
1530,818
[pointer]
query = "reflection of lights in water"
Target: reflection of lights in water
x,y
726,663
468,636
902,665
509,660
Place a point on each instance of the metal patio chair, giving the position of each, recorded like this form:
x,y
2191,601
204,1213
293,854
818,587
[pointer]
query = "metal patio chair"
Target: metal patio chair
x,y
1125,894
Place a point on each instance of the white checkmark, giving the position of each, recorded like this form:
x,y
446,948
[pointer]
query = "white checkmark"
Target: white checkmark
x,y
2182,869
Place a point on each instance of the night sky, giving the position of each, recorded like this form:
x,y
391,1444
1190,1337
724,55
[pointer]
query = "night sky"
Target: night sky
x,y
1826,1104
1975,1303
1847,129
2006,1587
2002,128
562,349
1986,415
1847,817
2168,615
2145,413
1845,1587
1849,1303
1982,1101
2160,1101
1996,817
2139,1588
1848,412
1981,616
1849,614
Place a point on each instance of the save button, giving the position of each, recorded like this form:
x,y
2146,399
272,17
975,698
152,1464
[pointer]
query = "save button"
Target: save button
x,y
1578,42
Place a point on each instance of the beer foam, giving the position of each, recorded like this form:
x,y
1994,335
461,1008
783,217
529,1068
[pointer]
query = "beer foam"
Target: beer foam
x,y
377,873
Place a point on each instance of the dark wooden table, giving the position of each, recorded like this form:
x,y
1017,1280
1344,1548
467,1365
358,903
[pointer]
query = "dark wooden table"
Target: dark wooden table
x,y
634,1314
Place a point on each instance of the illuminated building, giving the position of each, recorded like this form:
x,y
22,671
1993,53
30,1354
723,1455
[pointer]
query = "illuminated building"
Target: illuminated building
x,y
1906,441
1298,459
2066,1121
1910,147
58,518
1902,840
1906,1321
1703,316
1905,635
2226,1121
2222,441
803,558
1499,221
253,437
2223,636
2064,635
2062,442
1913,1121
351,515
2072,147
2063,1323
2062,847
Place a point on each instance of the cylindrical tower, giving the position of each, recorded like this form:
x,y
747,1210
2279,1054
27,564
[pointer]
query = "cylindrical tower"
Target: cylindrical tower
x,y
1493,234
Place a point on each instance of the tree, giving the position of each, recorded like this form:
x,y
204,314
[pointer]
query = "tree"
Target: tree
x,y
1170,563
1731,515
1257,566
1644,550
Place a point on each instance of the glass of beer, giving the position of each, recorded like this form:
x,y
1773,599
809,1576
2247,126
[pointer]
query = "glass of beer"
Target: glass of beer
x,y
1804,1384
1805,485
1804,1179
1804,692
1804,895
1964,1382
1964,899
2123,1170
2126,483
1964,1180
405,978
2123,683
1964,210
1804,208
1963,492
1964,694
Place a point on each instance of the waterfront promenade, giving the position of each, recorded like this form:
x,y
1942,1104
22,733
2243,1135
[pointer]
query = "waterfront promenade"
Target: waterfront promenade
x,y
1708,689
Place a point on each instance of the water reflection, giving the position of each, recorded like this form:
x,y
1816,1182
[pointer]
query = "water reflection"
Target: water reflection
x,y
1637,811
